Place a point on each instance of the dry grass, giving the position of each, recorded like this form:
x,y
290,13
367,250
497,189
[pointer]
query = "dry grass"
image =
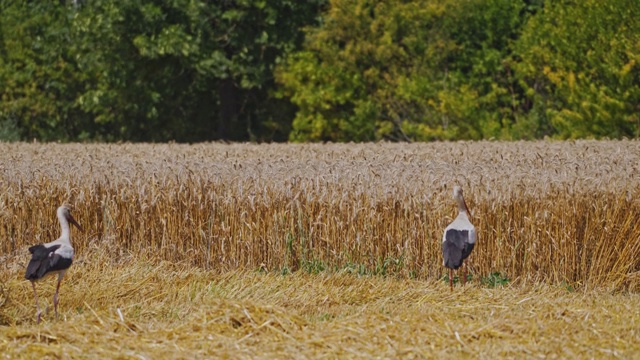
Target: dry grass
x,y
178,311
175,235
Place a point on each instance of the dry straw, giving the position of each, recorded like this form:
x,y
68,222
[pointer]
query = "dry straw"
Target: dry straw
x,y
546,211
162,310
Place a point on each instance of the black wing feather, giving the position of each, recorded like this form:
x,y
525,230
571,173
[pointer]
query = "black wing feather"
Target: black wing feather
x,y
57,262
456,248
467,250
43,260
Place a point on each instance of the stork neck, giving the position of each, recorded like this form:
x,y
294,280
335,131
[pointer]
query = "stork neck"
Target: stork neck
x,y
64,228
462,207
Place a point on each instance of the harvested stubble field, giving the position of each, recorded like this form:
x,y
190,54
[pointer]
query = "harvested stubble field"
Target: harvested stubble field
x,y
325,251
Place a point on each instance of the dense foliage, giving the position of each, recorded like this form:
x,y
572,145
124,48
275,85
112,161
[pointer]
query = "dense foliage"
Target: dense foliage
x,y
321,70
185,70
580,68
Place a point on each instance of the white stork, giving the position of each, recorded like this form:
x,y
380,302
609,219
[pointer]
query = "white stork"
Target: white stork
x,y
459,238
53,257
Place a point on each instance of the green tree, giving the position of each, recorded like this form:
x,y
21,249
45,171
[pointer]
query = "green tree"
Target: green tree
x,y
141,63
185,70
579,65
38,77
403,70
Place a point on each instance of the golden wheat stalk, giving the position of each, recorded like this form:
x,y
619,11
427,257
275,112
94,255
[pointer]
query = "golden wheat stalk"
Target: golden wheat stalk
x,y
545,211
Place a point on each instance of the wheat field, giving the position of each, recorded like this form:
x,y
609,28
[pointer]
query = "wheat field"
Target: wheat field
x,y
324,250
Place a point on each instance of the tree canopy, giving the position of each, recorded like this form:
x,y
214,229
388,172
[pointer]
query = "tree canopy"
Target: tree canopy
x,y
318,70
184,70
579,67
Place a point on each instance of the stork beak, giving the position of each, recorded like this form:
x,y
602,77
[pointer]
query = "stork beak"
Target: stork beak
x,y
74,222
466,207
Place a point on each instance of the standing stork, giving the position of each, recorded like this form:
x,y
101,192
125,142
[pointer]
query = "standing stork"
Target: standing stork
x,y
53,257
459,238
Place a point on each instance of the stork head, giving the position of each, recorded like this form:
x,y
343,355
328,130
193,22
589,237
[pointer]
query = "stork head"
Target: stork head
x,y
64,212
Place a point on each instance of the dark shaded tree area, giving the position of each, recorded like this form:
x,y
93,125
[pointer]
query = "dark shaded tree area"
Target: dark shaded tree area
x,y
183,70
319,70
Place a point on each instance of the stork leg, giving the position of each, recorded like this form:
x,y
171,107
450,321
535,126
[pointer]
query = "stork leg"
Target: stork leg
x,y
464,274
35,293
55,296
451,279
